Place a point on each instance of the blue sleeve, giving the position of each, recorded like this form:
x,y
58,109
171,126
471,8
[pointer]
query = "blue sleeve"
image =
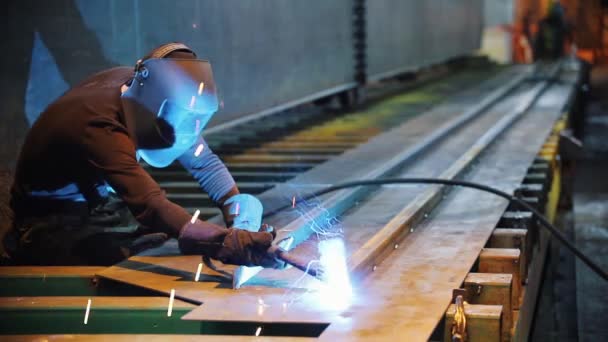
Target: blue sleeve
x,y
208,170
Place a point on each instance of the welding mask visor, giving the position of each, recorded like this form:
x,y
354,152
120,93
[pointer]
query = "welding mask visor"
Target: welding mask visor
x,y
168,104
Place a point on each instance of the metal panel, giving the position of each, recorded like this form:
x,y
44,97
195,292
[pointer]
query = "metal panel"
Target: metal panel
x,y
405,35
393,36
497,12
264,53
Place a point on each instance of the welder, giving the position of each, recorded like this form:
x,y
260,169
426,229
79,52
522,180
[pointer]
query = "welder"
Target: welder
x,y
553,30
80,194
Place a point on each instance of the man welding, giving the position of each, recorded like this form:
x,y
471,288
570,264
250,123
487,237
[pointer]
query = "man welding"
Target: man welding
x,y
81,197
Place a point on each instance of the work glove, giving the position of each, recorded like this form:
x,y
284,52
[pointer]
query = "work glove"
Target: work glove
x,y
243,211
229,245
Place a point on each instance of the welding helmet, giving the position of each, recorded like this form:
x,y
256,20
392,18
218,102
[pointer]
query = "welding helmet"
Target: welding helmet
x,y
169,102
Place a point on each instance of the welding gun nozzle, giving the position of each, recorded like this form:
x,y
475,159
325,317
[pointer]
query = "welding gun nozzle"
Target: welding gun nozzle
x,y
312,268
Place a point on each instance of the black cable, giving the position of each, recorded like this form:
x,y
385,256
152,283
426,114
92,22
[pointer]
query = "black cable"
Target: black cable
x,y
382,181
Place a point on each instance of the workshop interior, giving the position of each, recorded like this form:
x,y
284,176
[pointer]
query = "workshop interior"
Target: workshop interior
x,y
344,170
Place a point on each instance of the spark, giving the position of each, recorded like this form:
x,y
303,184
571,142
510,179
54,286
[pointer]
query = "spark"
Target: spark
x,y
236,210
258,331
171,298
293,202
86,314
198,271
200,88
192,101
195,216
199,149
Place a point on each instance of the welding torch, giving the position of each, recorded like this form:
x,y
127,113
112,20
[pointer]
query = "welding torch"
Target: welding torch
x,y
312,268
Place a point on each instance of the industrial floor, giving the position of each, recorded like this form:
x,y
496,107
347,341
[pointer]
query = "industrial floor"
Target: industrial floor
x,y
574,305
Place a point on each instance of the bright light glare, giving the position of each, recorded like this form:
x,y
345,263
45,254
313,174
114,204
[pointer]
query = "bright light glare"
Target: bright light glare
x,y
335,291
171,298
195,216
198,272
199,149
86,314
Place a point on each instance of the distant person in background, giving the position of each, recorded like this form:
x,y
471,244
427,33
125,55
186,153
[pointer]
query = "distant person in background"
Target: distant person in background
x,y
553,31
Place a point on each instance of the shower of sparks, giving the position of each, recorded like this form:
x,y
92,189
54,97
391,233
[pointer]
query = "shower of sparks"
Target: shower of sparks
x,y
258,331
200,88
199,149
86,314
171,298
198,272
195,216
334,291
192,101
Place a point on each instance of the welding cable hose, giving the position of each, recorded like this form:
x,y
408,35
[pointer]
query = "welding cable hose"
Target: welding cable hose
x,y
384,181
